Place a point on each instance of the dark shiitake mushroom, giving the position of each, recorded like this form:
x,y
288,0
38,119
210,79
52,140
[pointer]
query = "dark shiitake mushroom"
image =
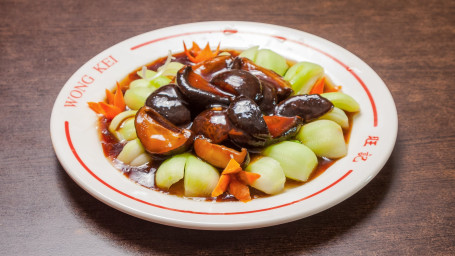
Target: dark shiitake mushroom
x,y
283,88
247,116
269,98
209,68
242,139
306,106
250,129
168,102
218,155
158,135
198,91
239,82
253,130
213,124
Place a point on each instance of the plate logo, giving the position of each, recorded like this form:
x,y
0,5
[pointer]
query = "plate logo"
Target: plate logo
x,y
86,80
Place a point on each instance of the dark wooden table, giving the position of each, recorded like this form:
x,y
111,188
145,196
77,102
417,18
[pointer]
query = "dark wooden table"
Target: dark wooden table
x,y
408,209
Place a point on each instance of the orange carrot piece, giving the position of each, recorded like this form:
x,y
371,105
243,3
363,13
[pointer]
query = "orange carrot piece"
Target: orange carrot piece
x,y
119,101
188,53
96,107
204,54
207,53
217,50
114,106
237,180
333,89
318,87
110,110
248,178
232,167
196,55
277,125
221,186
239,190
195,49
110,97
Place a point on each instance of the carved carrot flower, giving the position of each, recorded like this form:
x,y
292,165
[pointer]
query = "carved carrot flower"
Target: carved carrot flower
x,y
236,181
196,55
114,106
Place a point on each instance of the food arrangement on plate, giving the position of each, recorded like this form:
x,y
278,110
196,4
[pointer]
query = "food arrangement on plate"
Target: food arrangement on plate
x,y
226,124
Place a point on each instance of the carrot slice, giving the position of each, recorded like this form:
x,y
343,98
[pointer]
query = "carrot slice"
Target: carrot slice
x,y
204,54
119,101
110,110
110,97
96,107
221,186
196,55
278,125
333,89
239,190
114,106
188,53
237,180
318,87
232,167
207,53
195,49
248,178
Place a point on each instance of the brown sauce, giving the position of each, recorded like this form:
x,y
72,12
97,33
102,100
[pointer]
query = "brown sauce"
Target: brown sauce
x,y
145,175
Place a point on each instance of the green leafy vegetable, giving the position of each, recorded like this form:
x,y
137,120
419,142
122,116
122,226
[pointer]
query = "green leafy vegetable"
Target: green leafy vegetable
x,y
200,177
343,101
127,130
272,175
131,151
337,115
269,59
303,76
171,69
266,58
141,159
171,171
250,53
150,78
324,137
296,159
135,97
120,126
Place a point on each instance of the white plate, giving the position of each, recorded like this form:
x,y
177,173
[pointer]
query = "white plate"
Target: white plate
x,y
76,142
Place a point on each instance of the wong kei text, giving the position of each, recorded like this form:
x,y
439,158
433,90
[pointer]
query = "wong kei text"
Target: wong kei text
x,y
84,82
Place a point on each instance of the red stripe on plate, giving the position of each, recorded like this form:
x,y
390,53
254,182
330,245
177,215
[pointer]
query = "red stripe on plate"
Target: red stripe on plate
x,y
178,35
76,155
282,38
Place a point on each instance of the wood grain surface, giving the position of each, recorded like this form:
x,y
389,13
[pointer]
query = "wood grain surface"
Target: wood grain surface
x,y
408,209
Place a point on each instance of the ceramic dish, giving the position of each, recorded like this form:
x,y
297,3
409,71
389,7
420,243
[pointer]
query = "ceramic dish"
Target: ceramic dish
x,y
77,145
